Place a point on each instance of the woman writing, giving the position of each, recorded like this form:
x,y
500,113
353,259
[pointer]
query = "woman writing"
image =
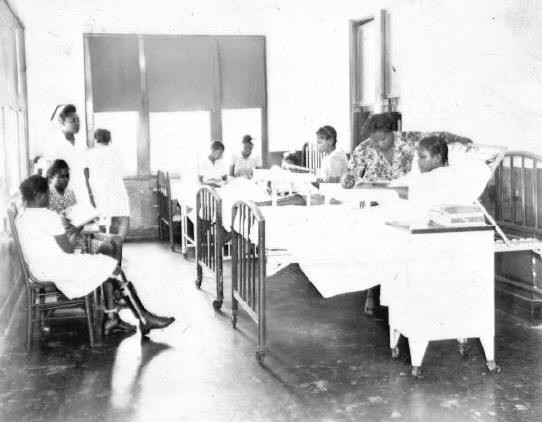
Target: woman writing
x,y
387,155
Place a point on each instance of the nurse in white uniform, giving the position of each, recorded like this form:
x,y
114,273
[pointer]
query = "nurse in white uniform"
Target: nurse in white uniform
x,y
64,146
334,162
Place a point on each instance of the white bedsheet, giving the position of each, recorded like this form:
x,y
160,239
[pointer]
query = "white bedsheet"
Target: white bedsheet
x,y
341,258
239,189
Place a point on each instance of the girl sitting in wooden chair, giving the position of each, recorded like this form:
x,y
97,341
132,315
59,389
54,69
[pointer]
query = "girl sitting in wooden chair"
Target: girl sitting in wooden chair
x,y
48,251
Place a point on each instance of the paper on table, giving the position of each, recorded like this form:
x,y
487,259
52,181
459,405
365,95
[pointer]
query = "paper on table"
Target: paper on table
x,y
81,214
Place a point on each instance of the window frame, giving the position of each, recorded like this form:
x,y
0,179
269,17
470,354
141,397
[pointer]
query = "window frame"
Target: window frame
x,y
21,109
143,139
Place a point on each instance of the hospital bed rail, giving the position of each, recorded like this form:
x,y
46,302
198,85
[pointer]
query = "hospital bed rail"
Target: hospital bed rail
x,y
516,199
249,269
208,240
311,158
165,207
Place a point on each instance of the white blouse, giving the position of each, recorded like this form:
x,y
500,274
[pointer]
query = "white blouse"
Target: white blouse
x,y
106,181
212,171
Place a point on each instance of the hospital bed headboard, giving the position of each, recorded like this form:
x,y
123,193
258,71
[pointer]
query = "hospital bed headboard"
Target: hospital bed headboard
x,y
518,196
310,157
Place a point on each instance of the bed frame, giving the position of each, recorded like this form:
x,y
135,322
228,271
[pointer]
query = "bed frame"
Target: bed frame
x,y
310,157
165,207
516,197
248,269
209,240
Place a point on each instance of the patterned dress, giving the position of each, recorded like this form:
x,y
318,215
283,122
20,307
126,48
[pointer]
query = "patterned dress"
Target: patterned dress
x,y
368,163
59,203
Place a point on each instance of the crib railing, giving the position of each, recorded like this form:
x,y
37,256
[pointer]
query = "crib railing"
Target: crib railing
x,y
165,212
209,235
518,181
248,268
311,158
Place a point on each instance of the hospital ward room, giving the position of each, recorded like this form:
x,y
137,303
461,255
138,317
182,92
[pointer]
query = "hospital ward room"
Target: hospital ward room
x,y
235,210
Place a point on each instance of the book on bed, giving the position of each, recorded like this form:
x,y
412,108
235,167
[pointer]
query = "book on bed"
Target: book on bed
x,y
80,214
457,215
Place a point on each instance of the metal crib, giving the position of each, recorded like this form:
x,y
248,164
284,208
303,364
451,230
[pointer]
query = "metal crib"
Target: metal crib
x,y
249,269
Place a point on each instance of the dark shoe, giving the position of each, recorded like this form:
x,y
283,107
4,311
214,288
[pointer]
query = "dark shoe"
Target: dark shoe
x,y
117,325
152,322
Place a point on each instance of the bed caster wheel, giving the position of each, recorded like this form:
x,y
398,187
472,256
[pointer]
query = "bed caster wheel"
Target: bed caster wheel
x,y
234,321
185,256
260,357
217,304
395,353
198,284
417,372
492,367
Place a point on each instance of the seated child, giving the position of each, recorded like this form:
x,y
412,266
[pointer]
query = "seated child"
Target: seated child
x,y
61,198
48,251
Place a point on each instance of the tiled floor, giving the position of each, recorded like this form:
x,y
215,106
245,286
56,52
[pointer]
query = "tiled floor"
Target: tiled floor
x,y
325,361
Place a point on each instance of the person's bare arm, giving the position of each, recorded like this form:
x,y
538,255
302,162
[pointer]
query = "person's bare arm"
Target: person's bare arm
x,y
65,243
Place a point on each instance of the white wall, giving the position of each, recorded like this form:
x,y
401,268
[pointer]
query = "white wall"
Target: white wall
x,y
473,67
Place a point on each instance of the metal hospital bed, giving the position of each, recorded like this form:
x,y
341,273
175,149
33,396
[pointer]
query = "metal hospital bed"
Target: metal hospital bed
x,y
249,261
310,157
165,207
209,240
515,201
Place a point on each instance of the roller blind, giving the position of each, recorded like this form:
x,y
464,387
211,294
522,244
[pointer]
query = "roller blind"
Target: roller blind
x,y
115,73
242,66
181,73
8,58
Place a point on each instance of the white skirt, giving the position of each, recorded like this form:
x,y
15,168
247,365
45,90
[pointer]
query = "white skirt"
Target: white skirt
x,y
75,275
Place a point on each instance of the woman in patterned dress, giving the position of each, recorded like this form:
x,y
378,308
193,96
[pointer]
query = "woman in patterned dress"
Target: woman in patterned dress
x,y
387,155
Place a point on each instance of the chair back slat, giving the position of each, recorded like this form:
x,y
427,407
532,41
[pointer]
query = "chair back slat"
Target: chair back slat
x,y
12,215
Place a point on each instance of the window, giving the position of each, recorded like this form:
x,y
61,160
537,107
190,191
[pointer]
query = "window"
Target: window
x,y
13,138
178,139
123,126
237,123
186,91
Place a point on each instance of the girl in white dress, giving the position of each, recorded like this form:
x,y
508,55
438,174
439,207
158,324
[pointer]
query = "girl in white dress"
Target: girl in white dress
x,y
334,162
48,252
105,180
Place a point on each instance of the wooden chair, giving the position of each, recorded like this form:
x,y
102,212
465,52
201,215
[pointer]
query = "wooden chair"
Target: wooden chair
x,y
165,207
37,293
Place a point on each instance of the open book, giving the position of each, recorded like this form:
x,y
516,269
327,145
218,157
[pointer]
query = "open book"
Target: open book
x,y
80,214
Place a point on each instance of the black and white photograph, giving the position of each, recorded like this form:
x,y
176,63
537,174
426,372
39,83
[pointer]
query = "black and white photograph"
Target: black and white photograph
x,y
270,210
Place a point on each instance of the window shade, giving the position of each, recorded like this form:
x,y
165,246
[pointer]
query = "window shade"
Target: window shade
x,y
180,73
242,66
115,73
8,58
